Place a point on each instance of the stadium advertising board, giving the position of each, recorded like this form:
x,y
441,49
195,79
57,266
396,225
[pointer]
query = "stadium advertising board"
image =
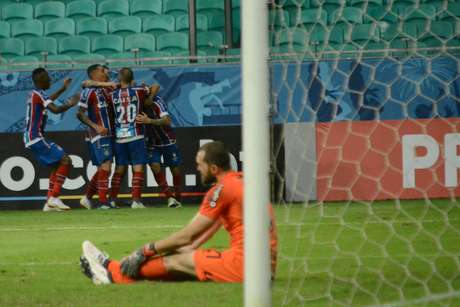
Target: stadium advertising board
x,y
23,182
370,160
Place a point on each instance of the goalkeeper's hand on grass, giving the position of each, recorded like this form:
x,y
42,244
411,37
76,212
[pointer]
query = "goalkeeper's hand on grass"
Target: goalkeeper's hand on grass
x,y
130,265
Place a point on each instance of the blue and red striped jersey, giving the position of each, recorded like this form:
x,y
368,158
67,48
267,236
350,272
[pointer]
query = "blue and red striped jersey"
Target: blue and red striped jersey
x,y
36,116
158,135
127,103
99,106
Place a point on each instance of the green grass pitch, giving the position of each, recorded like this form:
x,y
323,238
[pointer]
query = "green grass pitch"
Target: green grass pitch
x,y
338,254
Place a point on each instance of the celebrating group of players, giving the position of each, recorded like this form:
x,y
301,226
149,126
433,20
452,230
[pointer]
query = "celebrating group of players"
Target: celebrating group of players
x,y
127,122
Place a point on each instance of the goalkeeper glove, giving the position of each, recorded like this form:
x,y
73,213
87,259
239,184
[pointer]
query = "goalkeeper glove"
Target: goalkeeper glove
x,y
131,264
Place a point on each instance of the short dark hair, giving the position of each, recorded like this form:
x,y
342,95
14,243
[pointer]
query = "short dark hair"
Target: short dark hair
x,y
126,74
36,74
216,153
92,68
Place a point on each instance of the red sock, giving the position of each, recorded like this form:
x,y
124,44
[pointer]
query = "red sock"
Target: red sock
x,y
161,181
115,185
91,189
51,183
177,180
152,269
61,174
102,184
137,184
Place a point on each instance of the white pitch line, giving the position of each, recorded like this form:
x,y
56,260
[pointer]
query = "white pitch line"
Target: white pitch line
x,y
175,226
36,263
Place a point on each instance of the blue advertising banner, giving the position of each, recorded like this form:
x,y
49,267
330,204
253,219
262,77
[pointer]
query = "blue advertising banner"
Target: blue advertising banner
x,y
384,89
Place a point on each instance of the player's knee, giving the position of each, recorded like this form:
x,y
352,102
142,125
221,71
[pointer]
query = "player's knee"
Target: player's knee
x,y
171,264
155,167
175,171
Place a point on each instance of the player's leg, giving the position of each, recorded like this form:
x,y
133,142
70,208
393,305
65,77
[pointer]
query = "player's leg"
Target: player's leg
x,y
173,159
91,187
103,152
138,158
154,161
115,183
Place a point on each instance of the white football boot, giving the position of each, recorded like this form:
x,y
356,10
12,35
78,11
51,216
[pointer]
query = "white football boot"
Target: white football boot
x,y
56,203
137,205
173,203
86,203
91,265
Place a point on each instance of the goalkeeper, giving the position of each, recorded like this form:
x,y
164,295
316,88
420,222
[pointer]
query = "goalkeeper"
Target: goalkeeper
x,y
178,255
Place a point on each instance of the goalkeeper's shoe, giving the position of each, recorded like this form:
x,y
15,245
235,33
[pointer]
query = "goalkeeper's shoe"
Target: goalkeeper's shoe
x,y
93,264
90,250
137,205
56,203
173,203
85,202
96,272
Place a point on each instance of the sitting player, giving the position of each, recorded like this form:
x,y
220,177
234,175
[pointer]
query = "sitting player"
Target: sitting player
x,y
48,153
161,142
178,254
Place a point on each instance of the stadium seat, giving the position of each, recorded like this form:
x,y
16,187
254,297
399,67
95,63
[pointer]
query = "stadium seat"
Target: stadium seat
x,y
328,5
391,31
84,60
17,12
113,8
26,62
440,32
107,44
92,27
452,13
293,39
81,9
74,45
156,58
5,29
173,42
414,30
141,41
378,13
159,24
62,62
216,22
233,55
362,34
182,23
60,27
27,28
209,7
278,19
124,26
175,7
146,8
11,47
364,3
310,17
423,12
350,15
39,45
210,42
123,59
49,10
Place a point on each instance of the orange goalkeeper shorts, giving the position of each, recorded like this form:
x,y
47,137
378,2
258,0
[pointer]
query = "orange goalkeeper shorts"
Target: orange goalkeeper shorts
x,y
226,266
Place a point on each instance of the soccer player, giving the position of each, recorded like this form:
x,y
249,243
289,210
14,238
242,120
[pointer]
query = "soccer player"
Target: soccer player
x,y
86,201
96,111
130,146
179,253
48,153
161,142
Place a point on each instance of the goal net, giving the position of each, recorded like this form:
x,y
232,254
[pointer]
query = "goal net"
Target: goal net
x,y
365,151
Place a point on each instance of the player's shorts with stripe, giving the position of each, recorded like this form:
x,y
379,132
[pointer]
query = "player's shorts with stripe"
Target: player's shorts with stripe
x,y
101,151
92,157
226,266
131,153
170,153
48,153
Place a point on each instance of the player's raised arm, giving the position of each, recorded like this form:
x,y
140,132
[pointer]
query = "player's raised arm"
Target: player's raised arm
x,y
64,87
56,109
93,83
